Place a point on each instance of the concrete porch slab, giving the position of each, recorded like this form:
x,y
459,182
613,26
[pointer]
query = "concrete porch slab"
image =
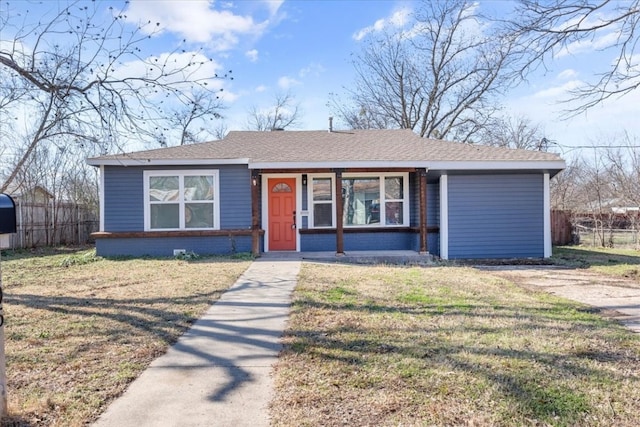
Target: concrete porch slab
x,y
401,257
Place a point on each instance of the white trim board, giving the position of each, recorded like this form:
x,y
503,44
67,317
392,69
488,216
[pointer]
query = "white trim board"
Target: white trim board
x,y
548,247
444,216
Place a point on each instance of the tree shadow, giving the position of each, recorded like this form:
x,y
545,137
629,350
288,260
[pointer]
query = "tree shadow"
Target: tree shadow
x,y
585,258
432,348
147,316
138,313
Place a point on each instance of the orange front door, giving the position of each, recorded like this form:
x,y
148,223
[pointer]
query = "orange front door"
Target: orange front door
x,y
282,211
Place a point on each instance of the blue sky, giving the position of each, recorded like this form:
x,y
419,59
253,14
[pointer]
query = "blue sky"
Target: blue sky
x,y
305,48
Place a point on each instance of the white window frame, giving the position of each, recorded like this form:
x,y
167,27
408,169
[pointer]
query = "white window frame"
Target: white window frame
x,y
311,203
181,174
383,216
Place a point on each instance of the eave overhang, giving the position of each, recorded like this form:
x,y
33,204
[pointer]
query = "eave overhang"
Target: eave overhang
x,y
551,166
165,162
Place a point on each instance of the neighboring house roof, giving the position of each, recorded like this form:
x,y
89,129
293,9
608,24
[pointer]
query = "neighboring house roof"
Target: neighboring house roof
x,y
17,191
355,148
619,205
625,209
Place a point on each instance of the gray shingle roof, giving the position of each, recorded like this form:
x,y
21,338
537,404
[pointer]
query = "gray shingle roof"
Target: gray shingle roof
x,y
323,147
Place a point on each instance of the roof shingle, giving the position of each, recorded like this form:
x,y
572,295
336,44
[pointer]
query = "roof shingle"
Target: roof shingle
x,y
333,147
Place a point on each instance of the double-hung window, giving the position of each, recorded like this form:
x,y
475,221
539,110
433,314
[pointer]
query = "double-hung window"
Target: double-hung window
x,y
322,201
368,200
181,200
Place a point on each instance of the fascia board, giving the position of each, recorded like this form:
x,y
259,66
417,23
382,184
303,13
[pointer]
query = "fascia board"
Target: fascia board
x,y
165,162
497,165
430,165
338,165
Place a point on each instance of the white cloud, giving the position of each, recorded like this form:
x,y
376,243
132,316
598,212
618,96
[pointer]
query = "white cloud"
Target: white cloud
x,y
228,96
261,88
287,82
252,55
273,5
397,19
600,42
196,22
567,74
176,71
311,69
558,91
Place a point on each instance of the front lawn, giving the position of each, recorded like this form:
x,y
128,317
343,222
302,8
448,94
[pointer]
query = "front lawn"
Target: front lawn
x,y
79,328
395,346
609,261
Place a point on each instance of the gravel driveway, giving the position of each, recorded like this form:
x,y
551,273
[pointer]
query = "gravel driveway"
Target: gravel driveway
x,y
618,298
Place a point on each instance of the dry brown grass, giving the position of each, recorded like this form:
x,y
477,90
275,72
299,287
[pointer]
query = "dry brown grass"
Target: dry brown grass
x,y
448,346
77,335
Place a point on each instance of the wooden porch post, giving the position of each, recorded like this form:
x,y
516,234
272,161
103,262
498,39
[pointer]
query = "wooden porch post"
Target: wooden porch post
x,y
339,225
423,211
255,212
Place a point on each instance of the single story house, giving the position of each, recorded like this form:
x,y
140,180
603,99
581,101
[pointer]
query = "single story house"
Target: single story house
x,y
336,191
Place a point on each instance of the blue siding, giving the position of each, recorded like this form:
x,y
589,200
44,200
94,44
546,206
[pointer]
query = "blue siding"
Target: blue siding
x,y
124,203
235,197
496,216
378,241
305,196
414,200
123,199
433,202
317,242
164,246
124,211
433,243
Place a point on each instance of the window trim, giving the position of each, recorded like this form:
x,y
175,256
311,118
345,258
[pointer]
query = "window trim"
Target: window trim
x,y
181,174
311,202
406,220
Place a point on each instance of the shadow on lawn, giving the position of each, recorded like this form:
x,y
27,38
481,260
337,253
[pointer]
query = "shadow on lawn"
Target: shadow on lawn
x,y
138,313
524,376
120,319
585,258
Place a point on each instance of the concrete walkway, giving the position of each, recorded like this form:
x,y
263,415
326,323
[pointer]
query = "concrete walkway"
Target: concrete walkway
x,y
219,372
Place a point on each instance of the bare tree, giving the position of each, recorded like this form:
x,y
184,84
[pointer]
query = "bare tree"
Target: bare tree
x,y
358,116
283,113
55,187
200,106
624,170
566,189
220,131
596,194
437,77
77,76
545,28
514,132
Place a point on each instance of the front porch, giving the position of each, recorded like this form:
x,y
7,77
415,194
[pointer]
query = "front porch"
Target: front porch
x,y
344,210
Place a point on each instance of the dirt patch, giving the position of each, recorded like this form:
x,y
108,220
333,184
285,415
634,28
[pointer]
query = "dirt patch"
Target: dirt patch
x,y
615,297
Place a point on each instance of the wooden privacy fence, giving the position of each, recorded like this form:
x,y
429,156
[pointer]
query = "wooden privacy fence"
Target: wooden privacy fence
x,y
51,224
561,228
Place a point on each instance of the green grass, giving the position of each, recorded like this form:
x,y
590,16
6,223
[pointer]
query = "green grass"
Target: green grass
x,y
396,346
609,261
